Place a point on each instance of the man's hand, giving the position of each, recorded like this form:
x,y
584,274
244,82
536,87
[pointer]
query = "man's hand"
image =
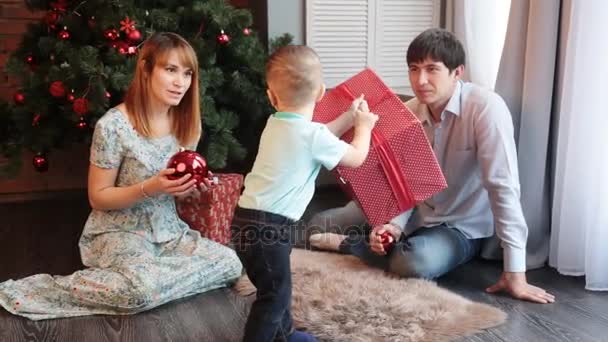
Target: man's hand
x,y
375,243
517,286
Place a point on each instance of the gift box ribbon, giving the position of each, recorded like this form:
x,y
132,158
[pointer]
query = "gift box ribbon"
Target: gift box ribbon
x,y
388,160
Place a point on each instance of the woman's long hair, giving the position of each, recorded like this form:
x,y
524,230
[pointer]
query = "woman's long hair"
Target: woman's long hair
x,y
186,116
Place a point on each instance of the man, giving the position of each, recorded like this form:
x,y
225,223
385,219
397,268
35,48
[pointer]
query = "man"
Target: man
x,y
471,132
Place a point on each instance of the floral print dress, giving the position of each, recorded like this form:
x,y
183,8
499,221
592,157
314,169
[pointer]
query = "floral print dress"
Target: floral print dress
x,y
137,257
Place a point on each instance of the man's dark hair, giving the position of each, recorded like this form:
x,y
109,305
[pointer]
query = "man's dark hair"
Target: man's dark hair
x,y
439,45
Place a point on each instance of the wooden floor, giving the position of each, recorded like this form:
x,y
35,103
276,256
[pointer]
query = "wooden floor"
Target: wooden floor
x,y
41,237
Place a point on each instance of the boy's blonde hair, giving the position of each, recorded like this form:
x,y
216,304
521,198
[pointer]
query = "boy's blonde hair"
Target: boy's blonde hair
x,y
293,74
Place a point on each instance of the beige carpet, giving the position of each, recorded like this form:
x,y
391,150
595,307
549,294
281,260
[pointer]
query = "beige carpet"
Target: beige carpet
x,y
338,298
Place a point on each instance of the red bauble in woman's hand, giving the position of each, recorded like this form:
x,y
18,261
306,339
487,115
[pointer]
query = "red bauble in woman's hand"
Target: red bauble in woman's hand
x,y
188,162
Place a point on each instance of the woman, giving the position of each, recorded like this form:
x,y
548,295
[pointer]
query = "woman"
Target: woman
x,y
139,253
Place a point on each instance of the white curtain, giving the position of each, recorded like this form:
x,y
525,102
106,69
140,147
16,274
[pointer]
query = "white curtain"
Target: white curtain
x,y
525,81
481,26
580,206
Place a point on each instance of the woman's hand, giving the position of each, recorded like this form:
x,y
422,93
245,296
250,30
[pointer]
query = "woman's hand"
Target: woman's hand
x,y
175,187
196,189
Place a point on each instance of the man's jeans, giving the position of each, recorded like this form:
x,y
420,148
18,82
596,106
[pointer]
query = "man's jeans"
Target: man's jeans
x,y
427,253
262,242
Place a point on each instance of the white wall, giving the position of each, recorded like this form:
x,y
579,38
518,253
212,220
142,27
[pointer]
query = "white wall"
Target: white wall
x,y
286,16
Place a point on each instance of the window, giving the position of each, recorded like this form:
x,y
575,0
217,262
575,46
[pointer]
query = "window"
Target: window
x,y
350,35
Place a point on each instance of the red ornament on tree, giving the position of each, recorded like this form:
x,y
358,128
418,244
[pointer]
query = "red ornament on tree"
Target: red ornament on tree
x,y
134,36
188,162
29,59
80,106
387,240
59,5
64,34
132,51
246,31
92,22
82,124
71,97
127,25
40,162
57,89
223,38
51,18
35,120
121,47
19,98
111,34
108,95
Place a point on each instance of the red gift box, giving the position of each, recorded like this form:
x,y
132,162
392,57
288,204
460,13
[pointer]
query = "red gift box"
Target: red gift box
x,y
401,169
211,212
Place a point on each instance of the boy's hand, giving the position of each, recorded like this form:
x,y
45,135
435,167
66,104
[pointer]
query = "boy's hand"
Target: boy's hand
x,y
356,105
365,119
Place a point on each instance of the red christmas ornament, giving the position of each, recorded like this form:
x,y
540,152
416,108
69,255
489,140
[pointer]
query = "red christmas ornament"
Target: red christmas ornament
x,y
29,59
35,120
121,46
59,5
134,36
51,18
80,106
132,51
246,31
71,97
92,22
111,34
387,240
223,38
127,25
188,162
64,34
19,98
40,162
82,124
57,89
108,95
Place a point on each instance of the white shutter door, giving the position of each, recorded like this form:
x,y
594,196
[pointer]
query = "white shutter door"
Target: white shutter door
x,y
338,31
398,22
350,35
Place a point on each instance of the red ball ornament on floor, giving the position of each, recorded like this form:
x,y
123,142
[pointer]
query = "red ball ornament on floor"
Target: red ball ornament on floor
x,y
387,240
80,106
40,162
223,38
57,89
188,162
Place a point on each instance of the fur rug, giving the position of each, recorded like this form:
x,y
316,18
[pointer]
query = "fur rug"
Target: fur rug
x,y
338,298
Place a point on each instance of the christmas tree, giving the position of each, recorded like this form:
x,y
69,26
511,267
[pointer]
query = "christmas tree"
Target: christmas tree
x,y
76,63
